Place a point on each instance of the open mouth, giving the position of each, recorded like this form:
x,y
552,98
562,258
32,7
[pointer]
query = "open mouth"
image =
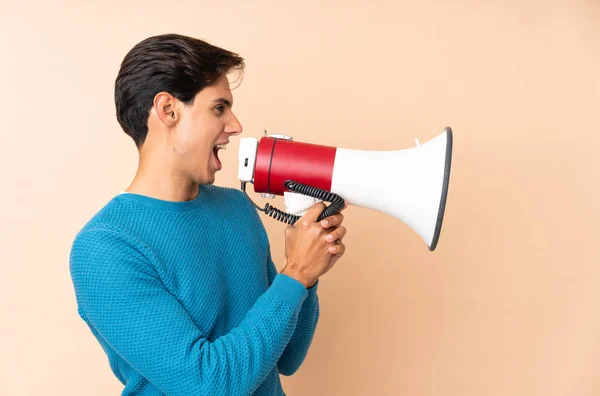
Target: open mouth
x,y
216,149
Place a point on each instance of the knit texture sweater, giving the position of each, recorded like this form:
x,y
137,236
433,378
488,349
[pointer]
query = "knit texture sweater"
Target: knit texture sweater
x,y
184,297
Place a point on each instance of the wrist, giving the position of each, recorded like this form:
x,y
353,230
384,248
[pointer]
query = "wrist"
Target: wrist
x,y
307,283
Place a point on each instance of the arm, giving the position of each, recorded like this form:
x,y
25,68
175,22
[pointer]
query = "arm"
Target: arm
x,y
121,296
297,348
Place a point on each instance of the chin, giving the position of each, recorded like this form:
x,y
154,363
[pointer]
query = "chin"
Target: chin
x,y
206,180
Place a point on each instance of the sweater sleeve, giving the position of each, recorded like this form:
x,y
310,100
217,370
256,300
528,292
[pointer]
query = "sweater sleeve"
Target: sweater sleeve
x,y
297,348
121,296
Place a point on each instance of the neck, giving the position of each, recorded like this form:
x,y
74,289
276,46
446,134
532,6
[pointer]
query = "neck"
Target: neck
x,y
158,177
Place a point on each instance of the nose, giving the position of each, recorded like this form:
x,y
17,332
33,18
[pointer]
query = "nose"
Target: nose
x,y
233,127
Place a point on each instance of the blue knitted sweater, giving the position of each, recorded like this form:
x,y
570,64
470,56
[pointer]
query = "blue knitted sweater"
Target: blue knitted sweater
x,y
184,297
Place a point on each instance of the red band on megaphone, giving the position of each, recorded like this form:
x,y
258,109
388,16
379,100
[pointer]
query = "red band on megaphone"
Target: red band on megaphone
x,y
278,160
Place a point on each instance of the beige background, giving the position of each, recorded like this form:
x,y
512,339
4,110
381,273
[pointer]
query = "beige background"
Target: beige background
x,y
508,304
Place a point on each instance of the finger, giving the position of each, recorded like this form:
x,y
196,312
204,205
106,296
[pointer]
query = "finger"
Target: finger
x,y
337,250
332,221
337,234
313,213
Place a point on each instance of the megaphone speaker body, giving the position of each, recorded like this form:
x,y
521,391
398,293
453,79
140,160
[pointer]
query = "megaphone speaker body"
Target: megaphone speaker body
x,y
409,184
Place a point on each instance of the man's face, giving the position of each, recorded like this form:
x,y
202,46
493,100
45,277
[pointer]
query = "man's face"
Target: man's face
x,y
207,123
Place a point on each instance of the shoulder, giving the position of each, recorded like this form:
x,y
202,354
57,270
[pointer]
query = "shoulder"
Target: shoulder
x,y
98,241
98,227
103,256
231,197
105,237
104,216
237,206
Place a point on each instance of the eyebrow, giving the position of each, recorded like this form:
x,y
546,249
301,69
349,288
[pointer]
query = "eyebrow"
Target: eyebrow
x,y
224,101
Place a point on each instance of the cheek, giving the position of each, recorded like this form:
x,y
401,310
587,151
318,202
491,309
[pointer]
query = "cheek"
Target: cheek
x,y
187,139
182,144
193,149
196,137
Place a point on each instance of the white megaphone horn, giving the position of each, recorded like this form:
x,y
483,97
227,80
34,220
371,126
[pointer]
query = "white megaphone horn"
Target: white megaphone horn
x,y
410,184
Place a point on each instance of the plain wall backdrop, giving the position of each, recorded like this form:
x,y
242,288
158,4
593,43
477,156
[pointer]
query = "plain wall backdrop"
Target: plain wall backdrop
x,y
508,304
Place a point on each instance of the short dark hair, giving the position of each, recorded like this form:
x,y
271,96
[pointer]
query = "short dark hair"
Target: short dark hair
x,y
172,63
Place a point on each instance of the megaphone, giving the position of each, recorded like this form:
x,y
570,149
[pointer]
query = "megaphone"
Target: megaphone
x,y
409,184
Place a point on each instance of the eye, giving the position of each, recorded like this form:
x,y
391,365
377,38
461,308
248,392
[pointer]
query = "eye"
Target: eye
x,y
220,109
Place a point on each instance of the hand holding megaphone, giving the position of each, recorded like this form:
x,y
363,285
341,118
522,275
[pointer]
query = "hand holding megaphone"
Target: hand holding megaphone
x,y
309,253
410,184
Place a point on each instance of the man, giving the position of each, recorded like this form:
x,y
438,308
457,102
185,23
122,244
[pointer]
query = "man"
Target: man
x,y
174,276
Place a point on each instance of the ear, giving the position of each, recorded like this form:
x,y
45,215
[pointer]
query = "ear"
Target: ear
x,y
165,106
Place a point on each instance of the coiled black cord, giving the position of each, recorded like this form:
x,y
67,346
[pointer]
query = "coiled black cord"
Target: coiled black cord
x,y
337,202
